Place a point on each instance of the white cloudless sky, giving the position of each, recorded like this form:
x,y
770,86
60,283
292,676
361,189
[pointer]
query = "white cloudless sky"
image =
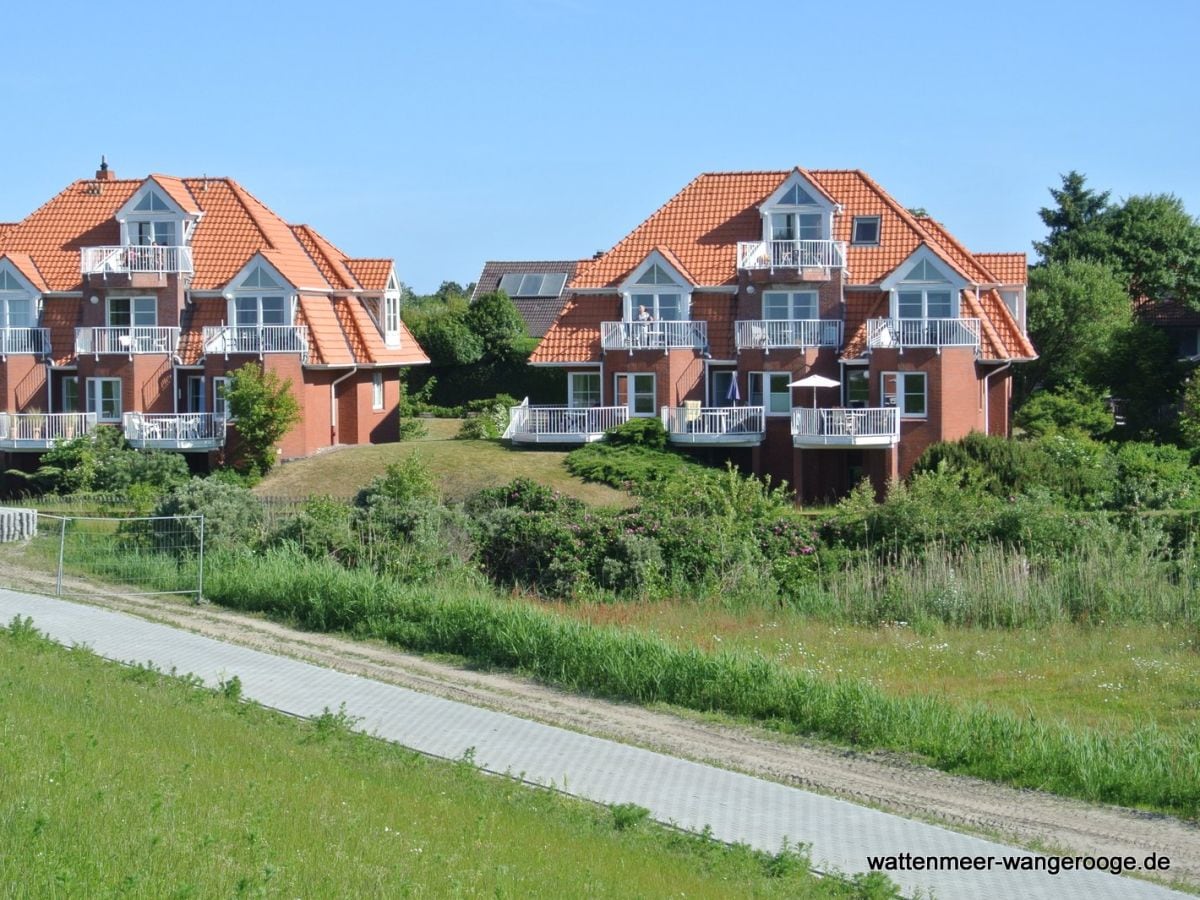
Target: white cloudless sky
x,y
446,133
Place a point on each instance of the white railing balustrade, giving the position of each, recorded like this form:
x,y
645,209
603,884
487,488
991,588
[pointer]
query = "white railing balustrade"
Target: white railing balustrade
x,y
771,334
134,258
878,426
791,254
174,431
140,339
714,424
666,335
24,340
901,333
568,424
42,430
256,339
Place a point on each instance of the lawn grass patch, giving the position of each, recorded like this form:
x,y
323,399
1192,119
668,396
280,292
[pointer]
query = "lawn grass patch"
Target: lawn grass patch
x,y
1146,766
460,466
123,781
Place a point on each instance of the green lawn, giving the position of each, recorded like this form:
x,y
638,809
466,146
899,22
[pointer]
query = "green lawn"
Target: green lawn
x,y
118,781
1115,677
462,467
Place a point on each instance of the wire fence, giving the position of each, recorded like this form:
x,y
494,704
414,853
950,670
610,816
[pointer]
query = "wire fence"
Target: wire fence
x,y
130,556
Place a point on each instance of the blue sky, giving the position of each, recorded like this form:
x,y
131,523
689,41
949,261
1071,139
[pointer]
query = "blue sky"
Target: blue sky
x,y
443,134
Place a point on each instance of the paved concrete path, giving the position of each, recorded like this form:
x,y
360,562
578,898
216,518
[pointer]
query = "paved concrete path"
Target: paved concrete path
x,y
738,808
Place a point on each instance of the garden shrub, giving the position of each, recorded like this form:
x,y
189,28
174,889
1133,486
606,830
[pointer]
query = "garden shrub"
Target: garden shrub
x,y
232,515
324,528
401,482
639,432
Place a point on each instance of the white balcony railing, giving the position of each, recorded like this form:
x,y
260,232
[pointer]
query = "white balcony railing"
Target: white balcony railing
x,y
256,339
562,424
902,333
178,431
791,254
140,339
40,431
24,340
876,427
772,334
727,425
135,258
653,335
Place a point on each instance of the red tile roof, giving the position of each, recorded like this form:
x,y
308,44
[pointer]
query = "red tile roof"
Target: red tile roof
x,y
233,227
1009,268
61,315
368,344
699,228
575,336
204,311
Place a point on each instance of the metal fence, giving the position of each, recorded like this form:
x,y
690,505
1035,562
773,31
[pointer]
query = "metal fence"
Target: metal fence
x,y
130,556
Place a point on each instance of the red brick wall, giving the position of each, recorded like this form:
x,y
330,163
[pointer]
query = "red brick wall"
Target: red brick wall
x,y
23,384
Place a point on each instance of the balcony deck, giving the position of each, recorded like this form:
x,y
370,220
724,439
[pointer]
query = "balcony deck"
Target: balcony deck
x,y
783,334
178,431
562,424
902,334
35,432
876,427
126,341
34,341
256,340
134,258
665,335
715,426
771,255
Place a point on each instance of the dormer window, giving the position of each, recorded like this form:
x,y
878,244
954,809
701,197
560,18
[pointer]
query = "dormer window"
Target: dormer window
x,y
796,226
797,211
260,299
152,217
391,312
17,307
160,232
658,294
865,230
152,202
926,292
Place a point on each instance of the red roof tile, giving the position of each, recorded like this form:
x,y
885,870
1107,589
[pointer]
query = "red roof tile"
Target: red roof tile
x,y
368,344
327,344
575,335
61,315
25,265
177,191
372,274
717,311
1009,268
204,311
329,259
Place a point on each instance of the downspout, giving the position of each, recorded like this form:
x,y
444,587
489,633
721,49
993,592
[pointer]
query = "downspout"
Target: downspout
x,y
987,405
333,417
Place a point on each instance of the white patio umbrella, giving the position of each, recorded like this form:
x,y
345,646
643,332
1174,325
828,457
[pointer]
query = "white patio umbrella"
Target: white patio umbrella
x,y
814,382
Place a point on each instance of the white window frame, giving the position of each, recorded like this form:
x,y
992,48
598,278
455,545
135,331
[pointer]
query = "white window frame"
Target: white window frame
x,y
650,294
925,290
895,398
632,395
391,319
877,220
220,404
67,406
257,300
130,217
766,390
792,305
377,390
96,400
20,294
774,206
898,283
146,302
189,380
574,394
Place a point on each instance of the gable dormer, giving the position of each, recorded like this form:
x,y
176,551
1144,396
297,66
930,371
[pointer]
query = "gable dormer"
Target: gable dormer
x,y
798,210
924,286
19,298
659,288
153,216
258,296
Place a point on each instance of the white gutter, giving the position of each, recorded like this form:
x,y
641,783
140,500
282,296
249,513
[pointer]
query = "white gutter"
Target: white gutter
x,y
333,417
987,406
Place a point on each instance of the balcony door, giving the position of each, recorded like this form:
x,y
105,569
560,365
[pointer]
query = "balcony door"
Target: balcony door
x,y
635,390
721,391
193,396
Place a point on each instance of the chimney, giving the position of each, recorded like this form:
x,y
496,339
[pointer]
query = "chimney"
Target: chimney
x,y
104,173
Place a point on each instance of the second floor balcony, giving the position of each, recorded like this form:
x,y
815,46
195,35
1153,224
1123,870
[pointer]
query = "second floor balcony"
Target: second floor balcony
x,y
726,426
879,427
665,335
135,258
126,341
900,334
174,431
41,431
772,255
777,334
256,339
562,424
35,341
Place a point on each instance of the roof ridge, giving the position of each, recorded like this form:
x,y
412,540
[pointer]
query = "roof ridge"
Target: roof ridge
x,y
945,235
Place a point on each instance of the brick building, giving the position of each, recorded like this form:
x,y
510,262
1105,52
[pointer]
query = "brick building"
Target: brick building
x,y
743,284
129,302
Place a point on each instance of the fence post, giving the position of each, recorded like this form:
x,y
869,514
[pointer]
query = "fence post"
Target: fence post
x,y
200,576
62,543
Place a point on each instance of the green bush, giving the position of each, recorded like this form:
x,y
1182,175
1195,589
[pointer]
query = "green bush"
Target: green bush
x,y
102,462
232,515
323,529
1073,408
640,432
401,482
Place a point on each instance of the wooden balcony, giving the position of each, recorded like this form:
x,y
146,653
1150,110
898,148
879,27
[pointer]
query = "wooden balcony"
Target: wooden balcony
x,y
562,424
41,431
178,431
876,427
715,426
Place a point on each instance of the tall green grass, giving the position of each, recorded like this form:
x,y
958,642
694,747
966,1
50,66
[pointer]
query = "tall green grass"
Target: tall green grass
x,y
1145,768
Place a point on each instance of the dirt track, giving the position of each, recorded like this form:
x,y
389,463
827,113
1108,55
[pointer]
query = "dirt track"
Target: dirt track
x,y
1027,817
